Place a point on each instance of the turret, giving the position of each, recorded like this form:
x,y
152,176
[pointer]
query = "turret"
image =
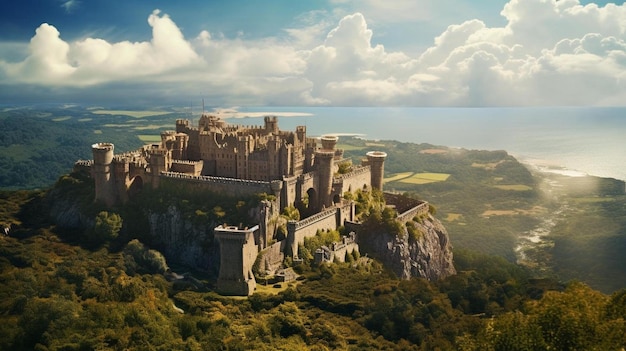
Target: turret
x,y
271,124
159,162
179,151
376,159
237,255
324,160
182,125
102,173
301,134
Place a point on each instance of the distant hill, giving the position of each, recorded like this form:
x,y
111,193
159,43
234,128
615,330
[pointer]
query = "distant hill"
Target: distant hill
x,y
39,144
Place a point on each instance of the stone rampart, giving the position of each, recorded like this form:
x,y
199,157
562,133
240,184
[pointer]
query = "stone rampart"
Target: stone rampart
x,y
308,227
337,250
221,185
357,170
83,166
406,207
187,167
272,257
359,178
419,210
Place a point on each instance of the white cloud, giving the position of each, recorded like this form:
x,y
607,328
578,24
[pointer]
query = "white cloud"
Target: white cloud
x,y
547,53
47,61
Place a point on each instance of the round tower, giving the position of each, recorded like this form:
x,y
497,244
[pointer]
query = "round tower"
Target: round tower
x,y
102,172
376,160
329,142
324,160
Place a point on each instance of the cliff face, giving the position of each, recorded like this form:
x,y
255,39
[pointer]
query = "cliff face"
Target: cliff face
x,y
184,242
428,255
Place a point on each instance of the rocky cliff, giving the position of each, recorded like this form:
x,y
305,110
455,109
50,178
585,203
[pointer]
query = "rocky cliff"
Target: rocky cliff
x,y
427,255
184,241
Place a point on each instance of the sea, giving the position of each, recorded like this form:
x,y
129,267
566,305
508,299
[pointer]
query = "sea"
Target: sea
x,y
569,140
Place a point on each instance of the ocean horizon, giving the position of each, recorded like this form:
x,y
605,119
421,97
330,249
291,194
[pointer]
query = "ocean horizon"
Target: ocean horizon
x,y
574,140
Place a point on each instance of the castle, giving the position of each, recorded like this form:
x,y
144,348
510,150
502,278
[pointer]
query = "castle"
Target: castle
x,y
243,160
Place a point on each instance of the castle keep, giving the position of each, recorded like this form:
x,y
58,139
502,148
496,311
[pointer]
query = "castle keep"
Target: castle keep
x,y
243,160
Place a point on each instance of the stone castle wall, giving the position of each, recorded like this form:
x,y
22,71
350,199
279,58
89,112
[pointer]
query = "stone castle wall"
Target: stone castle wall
x,y
220,185
272,257
337,250
308,227
419,210
359,178
187,167
406,207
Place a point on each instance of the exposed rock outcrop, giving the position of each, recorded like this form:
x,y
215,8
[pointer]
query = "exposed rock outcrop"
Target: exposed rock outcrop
x,y
64,205
427,255
184,242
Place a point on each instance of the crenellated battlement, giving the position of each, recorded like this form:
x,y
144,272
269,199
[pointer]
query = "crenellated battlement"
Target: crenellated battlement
x,y
314,218
187,162
102,147
83,163
213,179
356,171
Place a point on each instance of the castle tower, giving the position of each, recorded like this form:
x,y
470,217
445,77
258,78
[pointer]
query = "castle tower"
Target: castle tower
x,y
271,124
301,134
309,153
179,151
103,174
121,170
182,125
324,160
237,255
158,163
376,160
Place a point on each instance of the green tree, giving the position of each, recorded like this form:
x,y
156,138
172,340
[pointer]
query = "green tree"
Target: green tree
x,y
291,213
107,227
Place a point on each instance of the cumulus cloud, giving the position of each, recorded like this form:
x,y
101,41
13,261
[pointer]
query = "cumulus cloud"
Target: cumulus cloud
x,y
548,53
91,61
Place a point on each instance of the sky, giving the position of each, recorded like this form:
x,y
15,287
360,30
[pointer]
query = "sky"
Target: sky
x,y
314,53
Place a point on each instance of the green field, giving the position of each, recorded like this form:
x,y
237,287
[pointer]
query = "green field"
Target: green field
x,y
149,138
135,114
425,178
398,176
